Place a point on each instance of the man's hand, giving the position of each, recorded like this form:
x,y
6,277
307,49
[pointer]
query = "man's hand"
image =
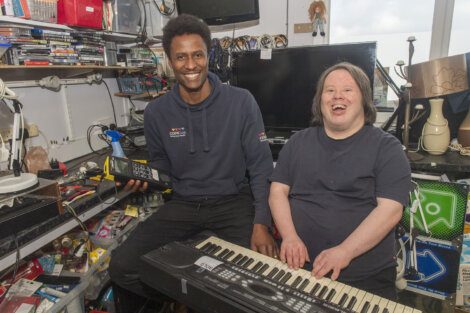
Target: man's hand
x,y
134,185
333,259
294,252
263,242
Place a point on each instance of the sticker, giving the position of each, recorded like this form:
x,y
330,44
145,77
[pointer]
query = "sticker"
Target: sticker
x,y
89,9
57,269
155,174
266,54
208,263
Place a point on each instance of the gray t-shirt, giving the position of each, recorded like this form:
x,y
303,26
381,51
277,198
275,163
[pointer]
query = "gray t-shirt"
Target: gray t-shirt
x,y
334,185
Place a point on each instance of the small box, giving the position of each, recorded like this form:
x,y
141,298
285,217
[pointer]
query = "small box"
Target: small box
x,y
82,13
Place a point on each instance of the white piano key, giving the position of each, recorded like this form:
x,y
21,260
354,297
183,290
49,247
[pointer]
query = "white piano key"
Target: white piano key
x,y
359,297
343,290
407,309
391,305
367,298
383,303
375,301
399,308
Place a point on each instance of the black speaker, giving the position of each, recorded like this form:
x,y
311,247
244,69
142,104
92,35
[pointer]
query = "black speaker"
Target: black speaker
x,y
220,12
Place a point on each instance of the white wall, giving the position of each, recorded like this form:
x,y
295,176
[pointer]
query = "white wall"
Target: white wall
x,y
69,112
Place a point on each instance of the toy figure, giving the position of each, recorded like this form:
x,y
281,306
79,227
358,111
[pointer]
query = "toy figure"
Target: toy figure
x,y
317,13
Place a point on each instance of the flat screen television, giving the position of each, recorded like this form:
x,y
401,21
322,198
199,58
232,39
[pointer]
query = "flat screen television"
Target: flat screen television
x,y
220,12
284,86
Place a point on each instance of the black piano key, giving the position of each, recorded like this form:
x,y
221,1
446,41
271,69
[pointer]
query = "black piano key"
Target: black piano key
x,y
215,250
322,292
304,284
273,272
343,300
237,258
263,269
257,266
385,311
285,278
223,253
228,255
296,282
365,308
248,262
376,309
351,303
207,245
279,275
315,289
330,295
242,260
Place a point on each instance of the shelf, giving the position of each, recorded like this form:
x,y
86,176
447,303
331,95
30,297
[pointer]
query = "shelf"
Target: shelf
x,y
10,259
107,35
21,21
9,73
141,96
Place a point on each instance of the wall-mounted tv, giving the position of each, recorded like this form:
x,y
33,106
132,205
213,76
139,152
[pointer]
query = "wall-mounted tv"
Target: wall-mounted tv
x,y
284,86
220,12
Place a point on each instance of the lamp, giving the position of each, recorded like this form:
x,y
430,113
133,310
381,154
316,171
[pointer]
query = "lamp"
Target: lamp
x,y
17,181
433,80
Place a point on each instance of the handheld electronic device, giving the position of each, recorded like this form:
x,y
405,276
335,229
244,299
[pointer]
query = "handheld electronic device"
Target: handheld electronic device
x,y
125,169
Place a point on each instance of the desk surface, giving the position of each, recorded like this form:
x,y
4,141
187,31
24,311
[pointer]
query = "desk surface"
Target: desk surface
x,y
449,163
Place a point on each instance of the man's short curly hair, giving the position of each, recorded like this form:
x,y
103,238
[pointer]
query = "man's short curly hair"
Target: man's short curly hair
x,y
185,24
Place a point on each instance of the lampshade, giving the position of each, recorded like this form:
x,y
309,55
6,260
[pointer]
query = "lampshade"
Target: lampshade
x,y
439,77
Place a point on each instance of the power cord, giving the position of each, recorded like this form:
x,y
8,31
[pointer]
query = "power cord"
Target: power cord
x,y
4,153
112,102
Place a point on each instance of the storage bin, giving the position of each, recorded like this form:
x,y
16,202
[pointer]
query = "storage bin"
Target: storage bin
x,y
82,13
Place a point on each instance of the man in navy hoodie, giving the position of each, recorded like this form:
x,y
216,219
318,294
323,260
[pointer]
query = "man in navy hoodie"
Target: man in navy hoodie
x,y
208,136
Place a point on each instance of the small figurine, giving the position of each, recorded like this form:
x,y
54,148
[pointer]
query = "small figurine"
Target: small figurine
x,y
317,13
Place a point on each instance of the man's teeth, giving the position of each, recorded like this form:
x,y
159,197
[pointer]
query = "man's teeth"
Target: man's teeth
x,y
191,75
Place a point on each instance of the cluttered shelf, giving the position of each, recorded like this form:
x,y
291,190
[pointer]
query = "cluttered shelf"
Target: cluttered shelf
x,y
67,222
449,162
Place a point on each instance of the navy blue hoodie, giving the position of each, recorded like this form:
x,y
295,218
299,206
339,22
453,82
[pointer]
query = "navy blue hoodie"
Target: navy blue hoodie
x,y
208,148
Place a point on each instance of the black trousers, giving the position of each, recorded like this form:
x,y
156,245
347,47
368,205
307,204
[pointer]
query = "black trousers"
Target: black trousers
x,y
381,284
229,217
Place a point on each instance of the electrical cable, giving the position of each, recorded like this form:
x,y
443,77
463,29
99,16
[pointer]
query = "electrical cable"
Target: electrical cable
x,y
112,102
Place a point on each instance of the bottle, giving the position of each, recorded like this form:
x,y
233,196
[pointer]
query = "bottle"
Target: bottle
x,y
115,137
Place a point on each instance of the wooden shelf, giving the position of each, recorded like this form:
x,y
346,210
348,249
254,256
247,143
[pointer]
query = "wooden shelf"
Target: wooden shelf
x,y
141,96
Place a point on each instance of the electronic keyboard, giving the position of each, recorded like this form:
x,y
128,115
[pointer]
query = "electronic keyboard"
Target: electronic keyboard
x,y
215,276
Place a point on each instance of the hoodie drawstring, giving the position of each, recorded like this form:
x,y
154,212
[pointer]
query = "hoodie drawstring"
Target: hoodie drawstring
x,y
204,130
191,134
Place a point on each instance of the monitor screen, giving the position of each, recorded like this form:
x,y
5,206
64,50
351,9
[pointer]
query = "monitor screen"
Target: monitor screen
x,y
284,86
220,12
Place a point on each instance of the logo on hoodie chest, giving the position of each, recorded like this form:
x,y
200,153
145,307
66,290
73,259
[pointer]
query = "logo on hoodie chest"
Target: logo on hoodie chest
x,y
177,132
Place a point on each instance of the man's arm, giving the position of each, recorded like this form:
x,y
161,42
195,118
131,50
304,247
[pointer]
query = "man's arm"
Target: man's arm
x,y
259,164
367,235
293,250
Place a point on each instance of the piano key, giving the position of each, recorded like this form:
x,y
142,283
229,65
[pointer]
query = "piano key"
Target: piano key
x,y
236,258
376,302
315,289
257,266
331,288
341,289
207,247
223,253
263,270
285,278
296,282
352,303
228,255
248,263
204,245
383,302
279,275
365,303
391,305
385,311
304,284
272,272
215,250
359,297
322,292
399,308
242,260
342,302
408,310
330,295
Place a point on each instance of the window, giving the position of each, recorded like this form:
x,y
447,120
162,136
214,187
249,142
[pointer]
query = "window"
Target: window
x,y
460,33
390,23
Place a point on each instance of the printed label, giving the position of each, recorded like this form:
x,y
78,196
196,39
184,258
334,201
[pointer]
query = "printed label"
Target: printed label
x,y
177,132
